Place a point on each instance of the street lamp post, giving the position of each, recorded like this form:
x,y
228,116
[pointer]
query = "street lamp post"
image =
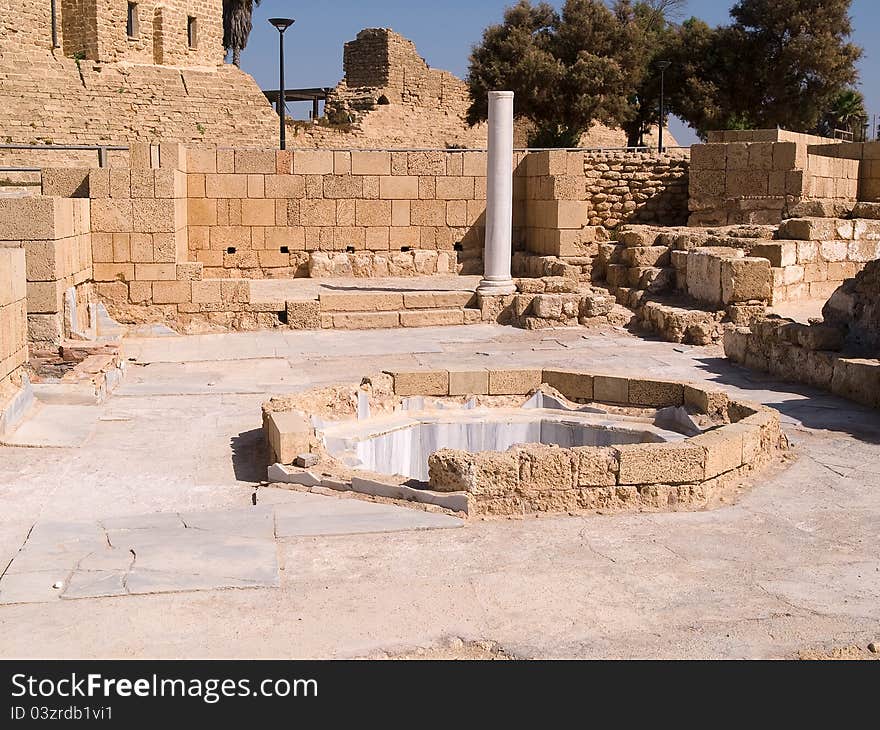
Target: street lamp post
x,y
662,65
281,25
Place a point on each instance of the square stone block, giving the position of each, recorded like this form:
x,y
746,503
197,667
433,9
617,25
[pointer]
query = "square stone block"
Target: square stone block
x,y
574,385
468,382
610,389
514,381
421,382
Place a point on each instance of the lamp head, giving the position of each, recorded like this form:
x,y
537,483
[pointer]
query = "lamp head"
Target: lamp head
x,y
663,65
282,24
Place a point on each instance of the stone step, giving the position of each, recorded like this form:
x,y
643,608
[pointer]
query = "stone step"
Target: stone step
x,y
391,301
355,320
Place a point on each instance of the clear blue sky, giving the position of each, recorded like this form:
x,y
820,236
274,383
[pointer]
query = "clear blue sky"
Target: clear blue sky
x,y
444,34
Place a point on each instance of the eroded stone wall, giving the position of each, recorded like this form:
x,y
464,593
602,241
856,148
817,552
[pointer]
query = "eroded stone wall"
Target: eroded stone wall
x,y
764,176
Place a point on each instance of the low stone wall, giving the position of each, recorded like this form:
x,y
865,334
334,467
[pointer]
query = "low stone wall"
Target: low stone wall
x,y
535,478
805,354
814,256
660,476
55,235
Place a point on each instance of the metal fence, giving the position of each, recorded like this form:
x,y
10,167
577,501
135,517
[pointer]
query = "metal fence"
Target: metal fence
x,y
101,150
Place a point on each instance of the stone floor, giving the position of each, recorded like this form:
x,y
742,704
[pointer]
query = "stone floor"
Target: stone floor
x,y
147,523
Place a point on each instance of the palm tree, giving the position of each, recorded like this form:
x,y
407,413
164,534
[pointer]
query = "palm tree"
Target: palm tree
x,y
237,26
847,113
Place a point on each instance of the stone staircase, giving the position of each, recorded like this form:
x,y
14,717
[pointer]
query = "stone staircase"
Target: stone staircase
x,y
361,310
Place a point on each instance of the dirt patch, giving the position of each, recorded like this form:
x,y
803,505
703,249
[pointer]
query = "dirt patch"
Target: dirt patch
x,y
843,653
452,649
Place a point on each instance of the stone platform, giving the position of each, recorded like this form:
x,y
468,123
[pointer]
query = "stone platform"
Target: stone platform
x,y
358,303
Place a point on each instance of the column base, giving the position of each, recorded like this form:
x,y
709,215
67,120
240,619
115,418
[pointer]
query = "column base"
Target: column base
x,y
492,287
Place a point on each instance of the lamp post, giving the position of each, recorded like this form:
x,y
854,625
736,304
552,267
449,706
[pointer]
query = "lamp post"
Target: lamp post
x,y
662,65
281,25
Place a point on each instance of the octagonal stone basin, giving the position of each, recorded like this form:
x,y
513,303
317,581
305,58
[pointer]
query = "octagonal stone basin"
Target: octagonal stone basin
x,y
401,443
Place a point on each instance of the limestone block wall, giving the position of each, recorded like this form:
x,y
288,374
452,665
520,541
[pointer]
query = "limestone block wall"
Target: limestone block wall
x,y
865,156
569,193
139,232
262,213
13,319
807,354
760,176
814,256
55,236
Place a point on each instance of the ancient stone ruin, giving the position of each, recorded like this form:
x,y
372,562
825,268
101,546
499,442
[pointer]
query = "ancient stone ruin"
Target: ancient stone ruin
x,y
498,442
705,247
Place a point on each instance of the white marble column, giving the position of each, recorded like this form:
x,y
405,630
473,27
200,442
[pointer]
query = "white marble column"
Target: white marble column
x,y
499,197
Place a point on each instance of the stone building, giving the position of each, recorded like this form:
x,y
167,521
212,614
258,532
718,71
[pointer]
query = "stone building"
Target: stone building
x,y
111,71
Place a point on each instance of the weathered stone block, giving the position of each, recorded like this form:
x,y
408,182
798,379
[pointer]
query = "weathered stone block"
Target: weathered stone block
x,y
513,381
610,389
858,380
304,315
546,468
371,163
745,279
655,393
172,292
782,253
289,434
596,467
421,382
644,256
468,382
669,463
574,385
312,162
723,449
704,399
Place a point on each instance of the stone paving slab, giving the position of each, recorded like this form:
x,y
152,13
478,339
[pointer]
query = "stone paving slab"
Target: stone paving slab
x,y
171,552
157,553
55,426
352,516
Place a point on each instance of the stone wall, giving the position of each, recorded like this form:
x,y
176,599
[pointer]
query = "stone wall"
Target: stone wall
x,y
101,88
570,193
867,157
13,320
533,478
261,213
808,354
55,235
764,176
96,30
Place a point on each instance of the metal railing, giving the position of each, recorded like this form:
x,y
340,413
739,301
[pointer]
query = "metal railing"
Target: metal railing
x,y
102,151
